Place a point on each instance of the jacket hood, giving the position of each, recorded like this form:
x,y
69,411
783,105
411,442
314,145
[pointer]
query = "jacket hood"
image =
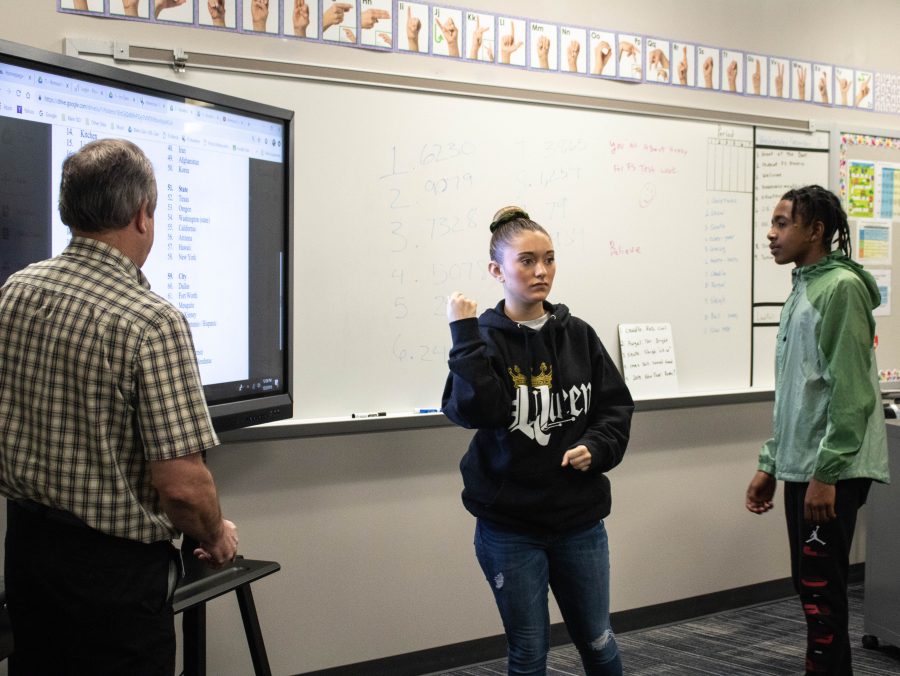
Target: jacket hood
x,y
837,259
495,317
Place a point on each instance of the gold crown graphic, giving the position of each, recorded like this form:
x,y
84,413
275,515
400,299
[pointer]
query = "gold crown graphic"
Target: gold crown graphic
x,y
517,376
544,378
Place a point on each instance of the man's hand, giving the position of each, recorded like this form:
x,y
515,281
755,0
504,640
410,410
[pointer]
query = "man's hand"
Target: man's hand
x,y
818,506
760,492
223,550
187,494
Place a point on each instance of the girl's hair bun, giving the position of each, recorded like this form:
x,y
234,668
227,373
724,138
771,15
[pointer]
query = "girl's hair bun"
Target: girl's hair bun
x,y
507,214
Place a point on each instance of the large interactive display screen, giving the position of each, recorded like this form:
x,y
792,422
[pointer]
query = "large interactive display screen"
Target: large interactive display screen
x,y
221,253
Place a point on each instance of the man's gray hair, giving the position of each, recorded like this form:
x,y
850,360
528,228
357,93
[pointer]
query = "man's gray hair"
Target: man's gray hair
x,y
104,185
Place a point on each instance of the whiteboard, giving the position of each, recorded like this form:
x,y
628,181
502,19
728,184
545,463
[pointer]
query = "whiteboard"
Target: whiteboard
x,y
651,220
777,171
786,160
764,340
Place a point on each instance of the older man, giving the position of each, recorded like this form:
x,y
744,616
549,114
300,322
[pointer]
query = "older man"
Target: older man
x,y
102,425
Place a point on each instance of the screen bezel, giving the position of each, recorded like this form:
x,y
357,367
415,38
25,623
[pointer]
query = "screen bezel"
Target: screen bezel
x,y
234,412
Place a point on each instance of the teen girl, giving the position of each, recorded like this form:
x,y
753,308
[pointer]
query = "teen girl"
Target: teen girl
x,y
553,415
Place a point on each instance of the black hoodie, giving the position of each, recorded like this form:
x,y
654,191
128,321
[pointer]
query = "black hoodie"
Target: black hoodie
x,y
532,396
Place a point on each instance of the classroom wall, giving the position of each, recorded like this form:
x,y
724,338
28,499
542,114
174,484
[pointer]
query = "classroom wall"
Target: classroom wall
x,y
374,544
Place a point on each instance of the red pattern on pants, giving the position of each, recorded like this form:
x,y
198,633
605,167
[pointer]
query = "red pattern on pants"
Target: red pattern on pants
x,y
820,564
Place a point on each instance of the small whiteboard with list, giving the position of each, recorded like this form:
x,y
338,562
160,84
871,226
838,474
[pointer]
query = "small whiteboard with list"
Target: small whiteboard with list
x,y
648,359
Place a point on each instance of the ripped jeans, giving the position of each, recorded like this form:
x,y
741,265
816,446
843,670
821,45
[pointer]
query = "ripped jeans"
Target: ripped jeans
x,y
521,568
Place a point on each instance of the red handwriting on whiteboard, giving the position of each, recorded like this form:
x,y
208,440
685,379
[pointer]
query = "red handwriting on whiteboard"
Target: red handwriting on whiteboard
x,y
618,249
645,148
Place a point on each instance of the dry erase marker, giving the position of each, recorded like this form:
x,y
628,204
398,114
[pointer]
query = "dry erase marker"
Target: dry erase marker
x,y
426,410
374,414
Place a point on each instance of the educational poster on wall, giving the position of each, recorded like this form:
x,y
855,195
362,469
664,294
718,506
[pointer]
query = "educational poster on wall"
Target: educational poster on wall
x,y
648,358
179,11
544,40
887,93
887,189
864,98
708,59
461,33
445,31
261,16
218,13
873,242
339,21
412,16
480,36
843,85
658,60
861,190
757,75
801,89
777,68
573,43
511,34
376,26
685,56
822,79
142,9
303,20
883,280
733,64
630,49
84,5
602,45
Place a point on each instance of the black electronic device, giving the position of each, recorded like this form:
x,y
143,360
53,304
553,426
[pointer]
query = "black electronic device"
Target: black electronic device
x,y
223,218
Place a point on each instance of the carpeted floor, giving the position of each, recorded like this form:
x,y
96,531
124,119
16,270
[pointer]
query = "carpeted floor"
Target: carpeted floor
x,y
763,640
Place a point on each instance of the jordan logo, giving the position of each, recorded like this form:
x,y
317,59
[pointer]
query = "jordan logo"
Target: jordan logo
x,y
814,537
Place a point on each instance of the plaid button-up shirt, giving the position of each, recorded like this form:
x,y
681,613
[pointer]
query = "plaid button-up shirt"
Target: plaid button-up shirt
x,y
98,376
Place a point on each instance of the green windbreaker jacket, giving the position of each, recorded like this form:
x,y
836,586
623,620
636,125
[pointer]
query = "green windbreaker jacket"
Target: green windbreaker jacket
x,y
829,420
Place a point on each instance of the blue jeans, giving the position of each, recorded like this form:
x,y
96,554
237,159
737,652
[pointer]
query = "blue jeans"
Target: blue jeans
x,y
520,569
